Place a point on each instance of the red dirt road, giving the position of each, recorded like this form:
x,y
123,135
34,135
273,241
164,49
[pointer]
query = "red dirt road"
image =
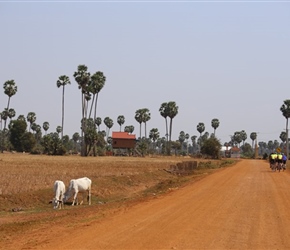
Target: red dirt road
x,y
241,207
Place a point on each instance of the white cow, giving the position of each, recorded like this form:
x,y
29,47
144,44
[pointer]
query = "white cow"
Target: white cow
x,y
59,190
81,185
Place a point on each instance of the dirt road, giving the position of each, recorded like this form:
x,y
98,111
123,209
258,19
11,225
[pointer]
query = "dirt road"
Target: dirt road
x,y
242,207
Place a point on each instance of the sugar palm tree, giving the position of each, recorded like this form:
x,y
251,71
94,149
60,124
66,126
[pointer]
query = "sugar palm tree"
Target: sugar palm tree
x,y
45,126
200,128
154,135
121,121
83,77
62,82
95,86
164,113
129,129
138,118
244,136
172,112
285,109
31,118
146,116
58,129
215,124
253,137
10,89
109,124
98,122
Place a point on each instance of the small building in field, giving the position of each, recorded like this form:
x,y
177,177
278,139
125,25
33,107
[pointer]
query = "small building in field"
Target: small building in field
x,y
235,152
123,140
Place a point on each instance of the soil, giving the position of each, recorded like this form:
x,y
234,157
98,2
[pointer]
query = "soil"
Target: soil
x,y
241,207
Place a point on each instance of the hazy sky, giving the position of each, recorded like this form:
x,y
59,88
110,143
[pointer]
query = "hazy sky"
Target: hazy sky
x,y
228,60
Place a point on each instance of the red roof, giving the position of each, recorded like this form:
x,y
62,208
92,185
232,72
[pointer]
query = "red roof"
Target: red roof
x,y
123,135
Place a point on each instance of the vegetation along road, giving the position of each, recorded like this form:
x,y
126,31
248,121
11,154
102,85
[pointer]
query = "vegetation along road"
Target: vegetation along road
x,y
241,207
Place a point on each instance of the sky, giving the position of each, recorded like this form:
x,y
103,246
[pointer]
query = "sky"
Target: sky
x,y
228,60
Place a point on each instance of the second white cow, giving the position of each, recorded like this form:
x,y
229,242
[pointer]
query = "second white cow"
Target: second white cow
x,y
81,185
59,190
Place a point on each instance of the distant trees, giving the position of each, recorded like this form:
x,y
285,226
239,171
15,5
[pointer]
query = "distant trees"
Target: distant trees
x,y
285,109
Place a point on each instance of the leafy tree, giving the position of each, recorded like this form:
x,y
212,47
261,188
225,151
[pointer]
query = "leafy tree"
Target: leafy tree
x,y
181,137
121,121
247,150
215,124
211,147
285,109
62,82
17,131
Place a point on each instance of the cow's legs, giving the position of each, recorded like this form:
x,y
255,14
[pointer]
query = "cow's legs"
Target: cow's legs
x,y
89,196
75,199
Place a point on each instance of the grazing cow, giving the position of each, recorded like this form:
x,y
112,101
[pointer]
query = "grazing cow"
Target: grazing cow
x,y
59,190
81,185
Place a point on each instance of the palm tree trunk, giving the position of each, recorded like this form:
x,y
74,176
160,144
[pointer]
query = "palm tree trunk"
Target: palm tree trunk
x,y
62,115
287,140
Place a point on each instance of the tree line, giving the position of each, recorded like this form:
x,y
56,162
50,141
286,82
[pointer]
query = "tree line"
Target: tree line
x,y
24,134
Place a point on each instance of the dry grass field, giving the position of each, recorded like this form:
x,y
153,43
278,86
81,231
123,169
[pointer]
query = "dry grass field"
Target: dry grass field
x,y
26,181
26,186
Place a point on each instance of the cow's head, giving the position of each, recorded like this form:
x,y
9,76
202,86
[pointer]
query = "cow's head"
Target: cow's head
x,y
56,203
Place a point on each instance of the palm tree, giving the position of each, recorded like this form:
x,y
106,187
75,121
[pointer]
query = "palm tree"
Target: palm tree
x,y
21,118
200,128
62,81
154,135
10,89
98,122
186,137
31,118
215,124
11,113
59,129
181,138
253,137
97,83
129,129
82,77
139,118
285,109
109,124
146,116
244,136
172,112
164,113
45,126
238,137
76,137
121,121
283,137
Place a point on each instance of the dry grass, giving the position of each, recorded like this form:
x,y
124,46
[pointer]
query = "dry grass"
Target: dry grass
x,y
27,180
